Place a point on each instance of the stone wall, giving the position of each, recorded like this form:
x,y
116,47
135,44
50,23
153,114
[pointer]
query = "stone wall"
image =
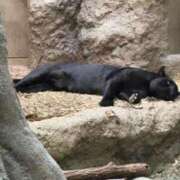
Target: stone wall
x,y
124,32
54,30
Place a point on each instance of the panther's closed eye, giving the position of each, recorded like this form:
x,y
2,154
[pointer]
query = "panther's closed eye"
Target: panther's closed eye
x,y
168,83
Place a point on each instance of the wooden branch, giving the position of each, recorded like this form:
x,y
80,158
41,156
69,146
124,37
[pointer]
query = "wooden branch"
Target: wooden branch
x,y
108,171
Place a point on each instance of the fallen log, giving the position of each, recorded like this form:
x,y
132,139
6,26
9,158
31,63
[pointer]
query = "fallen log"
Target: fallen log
x,y
110,170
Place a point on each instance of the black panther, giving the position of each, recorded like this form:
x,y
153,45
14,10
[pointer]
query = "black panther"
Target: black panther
x,y
126,83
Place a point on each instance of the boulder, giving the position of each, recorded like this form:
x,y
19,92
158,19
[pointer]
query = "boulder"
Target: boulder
x,y
131,32
54,30
126,32
172,64
148,133
37,106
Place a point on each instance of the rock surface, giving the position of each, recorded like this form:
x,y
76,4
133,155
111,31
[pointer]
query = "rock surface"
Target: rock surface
x,y
37,106
146,133
172,64
125,32
54,30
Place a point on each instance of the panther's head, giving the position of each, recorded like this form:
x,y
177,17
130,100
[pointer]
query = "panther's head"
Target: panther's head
x,y
163,87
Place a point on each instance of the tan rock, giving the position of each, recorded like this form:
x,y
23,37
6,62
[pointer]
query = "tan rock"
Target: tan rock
x,y
97,136
132,32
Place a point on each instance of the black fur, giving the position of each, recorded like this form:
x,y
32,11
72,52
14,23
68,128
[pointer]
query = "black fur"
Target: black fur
x,y
130,84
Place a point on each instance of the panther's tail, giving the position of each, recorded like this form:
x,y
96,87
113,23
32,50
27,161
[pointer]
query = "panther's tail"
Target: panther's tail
x,y
35,81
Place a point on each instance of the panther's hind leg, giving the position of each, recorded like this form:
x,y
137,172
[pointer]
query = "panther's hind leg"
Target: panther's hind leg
x,y
60,80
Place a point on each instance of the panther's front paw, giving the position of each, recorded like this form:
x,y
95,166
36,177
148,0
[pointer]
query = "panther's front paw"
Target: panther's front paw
x,y
106,103
134,98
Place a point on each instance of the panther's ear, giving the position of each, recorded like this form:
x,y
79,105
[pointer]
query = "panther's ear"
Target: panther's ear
x,y
161,71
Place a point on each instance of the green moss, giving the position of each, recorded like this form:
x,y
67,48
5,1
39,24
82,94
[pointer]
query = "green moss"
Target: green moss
x,y
62,156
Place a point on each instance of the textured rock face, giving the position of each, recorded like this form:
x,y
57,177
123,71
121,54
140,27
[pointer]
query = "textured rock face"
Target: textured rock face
x,y
37,106
172,64
125,32
146,133
122,32
54,30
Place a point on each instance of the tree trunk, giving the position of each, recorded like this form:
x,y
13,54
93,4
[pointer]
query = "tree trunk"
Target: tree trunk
x,y
108,171
22,156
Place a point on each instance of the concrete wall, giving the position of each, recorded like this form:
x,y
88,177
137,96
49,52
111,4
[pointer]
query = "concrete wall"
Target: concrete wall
x,y
174,26
15,16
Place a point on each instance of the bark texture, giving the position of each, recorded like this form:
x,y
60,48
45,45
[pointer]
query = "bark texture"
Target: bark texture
x,y
108,171
23,157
